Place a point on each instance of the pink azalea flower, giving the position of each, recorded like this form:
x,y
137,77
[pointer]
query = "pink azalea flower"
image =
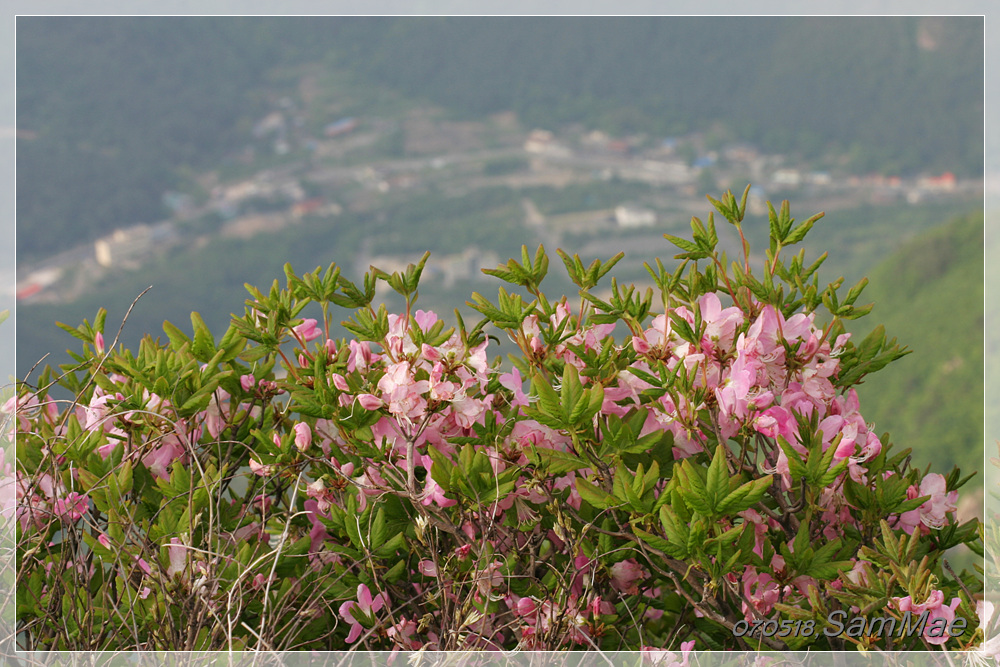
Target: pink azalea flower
x,y
97,411
433,493
143,565
467,411
303,436
759,590
934,604
402,635
360,357
775,421
217,413
514,383
407,401
261,470
308,330
640,345
178,557
625,574
159,460
720,324
317,534
525,607
366,607
664,658
934,512
991,644
860,573
430,353
370,402
489,578
440,389
340,382
584,570
8,489
760,527
72,507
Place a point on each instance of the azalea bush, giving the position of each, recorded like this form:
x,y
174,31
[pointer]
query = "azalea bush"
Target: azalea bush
x,y
681,468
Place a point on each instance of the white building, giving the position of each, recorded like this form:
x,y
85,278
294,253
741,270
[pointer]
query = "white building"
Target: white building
x,y
628,216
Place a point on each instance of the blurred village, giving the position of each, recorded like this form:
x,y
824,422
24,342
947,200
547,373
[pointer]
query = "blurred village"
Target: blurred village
x,y
288,172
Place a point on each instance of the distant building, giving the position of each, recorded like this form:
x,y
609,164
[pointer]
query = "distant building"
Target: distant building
x,y
127,248
36,282
787,177
28,290
819,178
619,146
542,142
315,206
342,126
740,152
946,182
628,216
307,206
241,191
538,141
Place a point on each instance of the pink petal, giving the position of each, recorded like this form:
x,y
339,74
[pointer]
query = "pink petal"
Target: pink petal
x,y
364,598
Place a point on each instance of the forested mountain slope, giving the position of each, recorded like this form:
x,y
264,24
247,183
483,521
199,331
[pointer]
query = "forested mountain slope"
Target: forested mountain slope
x,y
929,295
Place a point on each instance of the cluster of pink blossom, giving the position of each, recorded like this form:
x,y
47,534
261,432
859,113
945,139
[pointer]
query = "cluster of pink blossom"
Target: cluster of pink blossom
x,y
43,498
762,372
933,513
668,477
755,375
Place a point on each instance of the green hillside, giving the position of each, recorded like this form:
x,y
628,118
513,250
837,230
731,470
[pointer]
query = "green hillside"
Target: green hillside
x,y
119,107
901,94
929,295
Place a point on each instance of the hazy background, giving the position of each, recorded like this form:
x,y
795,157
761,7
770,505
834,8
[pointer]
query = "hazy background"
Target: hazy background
x,y
369,140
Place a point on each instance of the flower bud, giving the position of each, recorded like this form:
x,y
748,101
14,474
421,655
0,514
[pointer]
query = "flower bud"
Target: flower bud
x,y
303,436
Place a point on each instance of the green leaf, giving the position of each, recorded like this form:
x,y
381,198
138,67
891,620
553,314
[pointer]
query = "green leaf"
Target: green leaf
x,y
379,531
352,523
745,496
125,477
595,496
671,549
829,570
177,337
557,462
204,345
717,484
682,243
693,490
674,528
